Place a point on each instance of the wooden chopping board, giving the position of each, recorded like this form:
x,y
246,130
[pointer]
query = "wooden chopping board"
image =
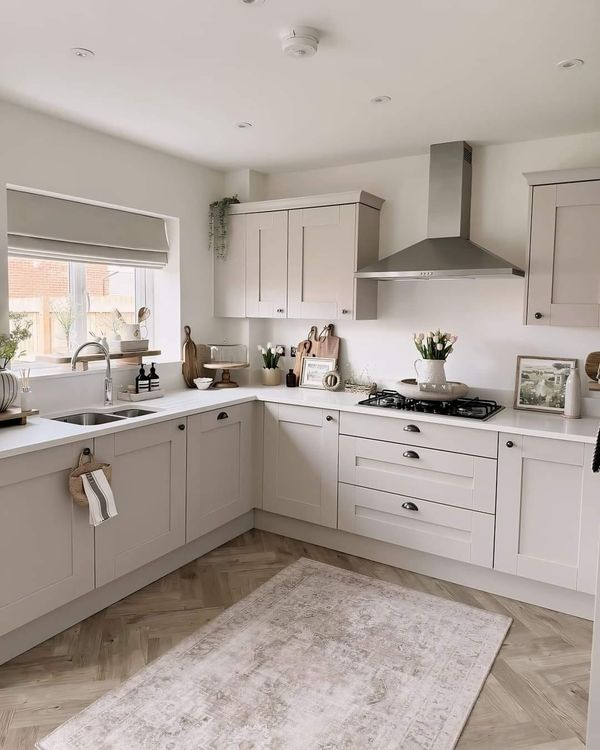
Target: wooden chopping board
x,y
190,368
592,363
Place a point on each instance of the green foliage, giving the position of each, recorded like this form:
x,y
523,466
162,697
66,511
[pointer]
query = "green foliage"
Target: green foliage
x,y
218,225
20,330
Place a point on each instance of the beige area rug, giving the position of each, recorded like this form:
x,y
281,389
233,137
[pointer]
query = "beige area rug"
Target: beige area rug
x,y
316,658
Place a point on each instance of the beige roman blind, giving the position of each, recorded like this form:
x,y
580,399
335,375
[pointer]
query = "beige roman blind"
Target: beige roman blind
x,y
41,226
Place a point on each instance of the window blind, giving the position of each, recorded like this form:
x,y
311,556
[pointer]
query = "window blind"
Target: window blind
x,y
41,226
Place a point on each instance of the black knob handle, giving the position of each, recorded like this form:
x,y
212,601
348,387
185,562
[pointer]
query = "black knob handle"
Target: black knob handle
x,y
222,415
280,309
509,443
411,428
86,451
538,316
181,426
410,454
329,418
409,506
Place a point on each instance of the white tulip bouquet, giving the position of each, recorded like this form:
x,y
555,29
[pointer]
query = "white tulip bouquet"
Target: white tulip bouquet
x,y
435,344
270,355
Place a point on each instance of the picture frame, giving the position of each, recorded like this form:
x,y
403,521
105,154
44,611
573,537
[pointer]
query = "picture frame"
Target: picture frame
x,y
314,370
540,383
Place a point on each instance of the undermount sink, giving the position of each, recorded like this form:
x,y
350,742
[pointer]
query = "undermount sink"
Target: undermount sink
x,y
133,412
88,418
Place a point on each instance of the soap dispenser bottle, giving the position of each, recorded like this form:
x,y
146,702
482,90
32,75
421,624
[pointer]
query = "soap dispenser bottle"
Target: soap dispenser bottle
x,y
142,382
154,379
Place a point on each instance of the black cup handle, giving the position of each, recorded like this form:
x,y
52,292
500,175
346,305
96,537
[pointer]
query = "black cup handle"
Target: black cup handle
x,y
409,506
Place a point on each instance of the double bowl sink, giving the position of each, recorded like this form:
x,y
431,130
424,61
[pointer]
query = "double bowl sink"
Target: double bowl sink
x,y
90,418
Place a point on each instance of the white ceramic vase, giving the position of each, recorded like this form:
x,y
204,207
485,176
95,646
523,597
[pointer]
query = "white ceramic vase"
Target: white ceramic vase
x,y
270,376
430,371
9,389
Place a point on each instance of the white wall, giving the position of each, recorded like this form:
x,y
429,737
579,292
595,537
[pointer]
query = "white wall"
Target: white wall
x,y
46,153
486,314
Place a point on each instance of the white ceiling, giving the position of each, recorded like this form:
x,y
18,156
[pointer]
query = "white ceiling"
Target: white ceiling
x,y
178,74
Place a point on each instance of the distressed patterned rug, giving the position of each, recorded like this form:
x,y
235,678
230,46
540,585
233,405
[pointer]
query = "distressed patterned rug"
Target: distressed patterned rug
x,y
316,658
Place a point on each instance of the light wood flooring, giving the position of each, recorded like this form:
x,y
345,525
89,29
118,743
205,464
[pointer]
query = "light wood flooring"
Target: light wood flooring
x,y
535,697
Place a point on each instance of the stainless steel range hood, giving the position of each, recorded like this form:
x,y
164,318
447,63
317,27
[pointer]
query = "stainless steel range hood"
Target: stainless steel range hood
x,y
447,253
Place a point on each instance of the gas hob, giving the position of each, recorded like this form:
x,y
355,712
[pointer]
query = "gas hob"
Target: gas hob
x,y
468,408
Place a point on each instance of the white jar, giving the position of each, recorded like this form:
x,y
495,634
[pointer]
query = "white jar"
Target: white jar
x,y
573,394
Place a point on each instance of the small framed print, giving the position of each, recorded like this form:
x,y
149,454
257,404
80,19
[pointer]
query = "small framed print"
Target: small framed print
x,y
314,370
540,383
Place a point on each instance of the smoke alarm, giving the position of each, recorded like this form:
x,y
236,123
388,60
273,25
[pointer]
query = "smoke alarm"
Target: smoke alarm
x,y
303,41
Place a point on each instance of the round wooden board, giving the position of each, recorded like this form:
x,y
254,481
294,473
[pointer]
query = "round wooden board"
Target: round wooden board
x,y
409,388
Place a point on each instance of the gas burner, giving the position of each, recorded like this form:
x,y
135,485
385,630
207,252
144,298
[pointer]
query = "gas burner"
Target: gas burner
x,y
467,408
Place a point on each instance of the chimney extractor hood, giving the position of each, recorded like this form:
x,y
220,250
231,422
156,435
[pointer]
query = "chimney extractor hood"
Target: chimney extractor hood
x,y
447,252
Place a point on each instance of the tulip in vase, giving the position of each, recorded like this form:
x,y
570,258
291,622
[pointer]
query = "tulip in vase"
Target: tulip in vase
x,y
434,347
270,374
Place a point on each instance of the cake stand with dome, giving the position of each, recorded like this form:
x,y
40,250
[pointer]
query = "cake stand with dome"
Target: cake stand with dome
x,y
227,357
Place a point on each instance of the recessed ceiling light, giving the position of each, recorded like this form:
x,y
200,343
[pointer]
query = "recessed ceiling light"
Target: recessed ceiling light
x,y
243,125
252,2
382,99
82,52
572,62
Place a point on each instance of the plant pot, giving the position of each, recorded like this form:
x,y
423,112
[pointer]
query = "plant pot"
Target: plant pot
x,y
430,371
9,389
270,376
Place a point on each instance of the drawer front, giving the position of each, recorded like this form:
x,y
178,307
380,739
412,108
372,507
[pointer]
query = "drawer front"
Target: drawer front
x,y
208,420
455,533
439,476
426,434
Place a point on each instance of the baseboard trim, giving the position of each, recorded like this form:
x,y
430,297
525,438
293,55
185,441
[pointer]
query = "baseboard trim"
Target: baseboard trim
x,y
465,574
22,639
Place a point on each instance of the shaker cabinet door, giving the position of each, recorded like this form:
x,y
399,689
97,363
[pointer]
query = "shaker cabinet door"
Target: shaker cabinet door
x,y
301,463
148,482
46,541
229,272
266,264
548,515
564,260
322,261
219,474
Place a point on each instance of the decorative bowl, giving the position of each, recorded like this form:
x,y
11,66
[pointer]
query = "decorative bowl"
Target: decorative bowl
x,y
203,384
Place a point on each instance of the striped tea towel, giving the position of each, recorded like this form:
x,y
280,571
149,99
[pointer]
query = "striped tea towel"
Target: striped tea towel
x,y
100,497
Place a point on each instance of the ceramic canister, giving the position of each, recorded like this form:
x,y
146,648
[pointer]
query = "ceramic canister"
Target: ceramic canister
x,y
9,389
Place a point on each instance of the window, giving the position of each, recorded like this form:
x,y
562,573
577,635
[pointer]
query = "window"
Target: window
x,y
70,302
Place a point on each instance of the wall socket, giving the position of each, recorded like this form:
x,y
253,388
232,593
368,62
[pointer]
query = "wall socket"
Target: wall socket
x,y
281,346
293,350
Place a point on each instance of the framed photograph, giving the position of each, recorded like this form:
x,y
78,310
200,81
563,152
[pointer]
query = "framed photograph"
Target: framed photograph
x,y
314,370
540,383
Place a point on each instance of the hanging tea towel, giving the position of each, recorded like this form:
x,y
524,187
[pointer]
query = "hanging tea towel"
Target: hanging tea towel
x,y
99,496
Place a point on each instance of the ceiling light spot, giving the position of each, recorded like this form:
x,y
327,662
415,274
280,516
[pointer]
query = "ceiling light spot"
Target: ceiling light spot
x,y
381,99
82,52
572,62
252,2
243,125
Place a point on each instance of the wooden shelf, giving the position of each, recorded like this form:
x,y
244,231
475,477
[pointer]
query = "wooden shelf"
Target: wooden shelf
x,y
85,359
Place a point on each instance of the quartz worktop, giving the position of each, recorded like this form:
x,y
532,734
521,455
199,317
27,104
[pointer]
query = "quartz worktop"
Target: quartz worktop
x,y
42,432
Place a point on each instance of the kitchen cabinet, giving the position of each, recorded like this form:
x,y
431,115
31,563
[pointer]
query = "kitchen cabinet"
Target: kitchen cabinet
x,y
564,263
219,474
148,481
296,258
46,542
548,515
266,264
229,273
301,463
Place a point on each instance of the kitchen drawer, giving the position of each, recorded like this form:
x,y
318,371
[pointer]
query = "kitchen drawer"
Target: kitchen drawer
x,y
228,414
440,476
426,434
459,534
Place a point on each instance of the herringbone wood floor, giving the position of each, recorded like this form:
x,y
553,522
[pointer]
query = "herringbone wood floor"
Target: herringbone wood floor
x,y
535,697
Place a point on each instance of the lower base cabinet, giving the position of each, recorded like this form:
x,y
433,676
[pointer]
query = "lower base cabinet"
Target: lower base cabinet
x,y
301,463
456,533
548,511
46,542
148,482
219,468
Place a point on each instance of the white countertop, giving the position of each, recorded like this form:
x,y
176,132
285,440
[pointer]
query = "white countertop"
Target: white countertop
x,y
44,433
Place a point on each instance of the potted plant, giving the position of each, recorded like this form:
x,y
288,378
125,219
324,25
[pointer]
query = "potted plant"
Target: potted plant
x,y
9,347
270,374
218,214
434,348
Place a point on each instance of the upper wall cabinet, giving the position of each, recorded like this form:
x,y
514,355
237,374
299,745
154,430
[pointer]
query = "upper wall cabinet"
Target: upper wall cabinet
x,y
296,258
564,262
